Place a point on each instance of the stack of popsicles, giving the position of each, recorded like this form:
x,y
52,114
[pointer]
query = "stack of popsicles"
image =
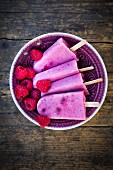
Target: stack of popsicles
x,y
59,65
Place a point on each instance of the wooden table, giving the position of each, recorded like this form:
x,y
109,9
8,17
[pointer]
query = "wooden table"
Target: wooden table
x,y
24,146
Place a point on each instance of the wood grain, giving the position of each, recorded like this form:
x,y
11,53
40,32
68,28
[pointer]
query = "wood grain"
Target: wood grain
x,y
25,20
35,148
55,6
25,146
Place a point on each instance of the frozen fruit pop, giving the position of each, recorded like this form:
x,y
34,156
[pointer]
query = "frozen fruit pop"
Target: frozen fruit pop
x,y
59,72
63,106
56,54
72,83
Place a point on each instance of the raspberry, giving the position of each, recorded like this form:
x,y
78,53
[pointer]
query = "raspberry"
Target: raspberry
x,y
30,104
28,84
31,72
21,72
35,94
36,54
43,120
21,91
43,85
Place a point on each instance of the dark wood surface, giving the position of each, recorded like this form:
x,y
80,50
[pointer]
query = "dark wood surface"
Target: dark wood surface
x,y
24,146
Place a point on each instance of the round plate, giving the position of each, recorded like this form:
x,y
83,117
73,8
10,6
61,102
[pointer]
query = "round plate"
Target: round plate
x,y
87,55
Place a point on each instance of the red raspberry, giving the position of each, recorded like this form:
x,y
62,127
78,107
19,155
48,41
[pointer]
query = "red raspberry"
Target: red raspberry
x,y
30,104
43,120
28,84
31,72
35,94
21,72
43,85
36,54
21,91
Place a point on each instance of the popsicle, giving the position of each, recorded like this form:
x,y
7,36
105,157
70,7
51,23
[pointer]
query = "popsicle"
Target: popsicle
x,y
56,54
59,72
70,105
71,83
68,84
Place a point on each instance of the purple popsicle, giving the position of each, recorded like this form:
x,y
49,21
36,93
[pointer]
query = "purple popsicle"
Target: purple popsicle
x,y
68,84
58,72
63,106
56,54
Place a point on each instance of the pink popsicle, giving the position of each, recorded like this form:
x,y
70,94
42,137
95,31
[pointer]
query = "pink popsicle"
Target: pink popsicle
x,y
63,106
56,54
68,84
58,72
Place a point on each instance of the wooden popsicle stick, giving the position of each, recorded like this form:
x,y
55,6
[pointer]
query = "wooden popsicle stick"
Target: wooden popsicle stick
x,y
80,44
86,69
93,81
91,104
